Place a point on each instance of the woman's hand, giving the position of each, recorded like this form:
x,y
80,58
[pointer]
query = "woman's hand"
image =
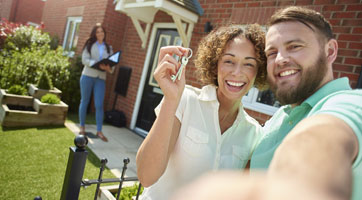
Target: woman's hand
x,y
105,67
167,66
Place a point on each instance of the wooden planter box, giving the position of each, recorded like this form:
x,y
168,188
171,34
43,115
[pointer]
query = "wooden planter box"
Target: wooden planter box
x,y
13,99
38,93
44,114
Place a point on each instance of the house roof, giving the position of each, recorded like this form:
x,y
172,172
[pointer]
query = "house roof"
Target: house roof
x,y
191,5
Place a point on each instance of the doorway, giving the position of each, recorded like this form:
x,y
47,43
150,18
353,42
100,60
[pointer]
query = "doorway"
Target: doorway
x,y
152,94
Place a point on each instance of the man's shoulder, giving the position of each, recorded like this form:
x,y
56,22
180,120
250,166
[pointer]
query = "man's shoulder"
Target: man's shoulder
x,y
350,97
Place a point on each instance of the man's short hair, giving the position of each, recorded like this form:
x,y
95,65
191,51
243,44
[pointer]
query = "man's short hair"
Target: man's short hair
x,y
306,16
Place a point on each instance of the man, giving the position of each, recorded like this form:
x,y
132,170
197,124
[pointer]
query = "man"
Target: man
x,y
312,145
319,132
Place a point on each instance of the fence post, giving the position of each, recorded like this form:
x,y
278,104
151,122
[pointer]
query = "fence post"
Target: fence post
x,y
75,169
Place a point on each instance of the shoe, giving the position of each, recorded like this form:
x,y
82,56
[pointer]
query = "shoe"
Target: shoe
x,y
82,131
100,135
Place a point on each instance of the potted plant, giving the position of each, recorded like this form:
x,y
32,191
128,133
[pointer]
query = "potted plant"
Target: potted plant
x,y
51,110
44,86
16,95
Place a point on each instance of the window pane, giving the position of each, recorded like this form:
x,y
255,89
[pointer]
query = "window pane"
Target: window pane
x,y
75,39
69,36
267,97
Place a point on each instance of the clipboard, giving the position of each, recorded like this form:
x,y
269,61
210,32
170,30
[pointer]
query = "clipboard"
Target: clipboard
x,y
112,60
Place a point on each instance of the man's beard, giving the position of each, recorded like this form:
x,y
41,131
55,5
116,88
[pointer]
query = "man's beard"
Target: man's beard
x,y
309,83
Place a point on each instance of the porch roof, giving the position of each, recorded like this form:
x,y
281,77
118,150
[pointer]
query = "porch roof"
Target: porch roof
x,y
182,11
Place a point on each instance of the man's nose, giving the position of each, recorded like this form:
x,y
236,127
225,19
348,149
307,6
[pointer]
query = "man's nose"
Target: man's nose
x,y
282,58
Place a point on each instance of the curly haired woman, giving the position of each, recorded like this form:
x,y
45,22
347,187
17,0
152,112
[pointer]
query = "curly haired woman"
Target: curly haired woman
x,y
198,130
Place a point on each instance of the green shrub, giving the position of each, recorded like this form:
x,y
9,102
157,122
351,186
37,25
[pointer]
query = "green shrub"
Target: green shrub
x,y
26,54
128,192
71,89
50,99
45,82
17,89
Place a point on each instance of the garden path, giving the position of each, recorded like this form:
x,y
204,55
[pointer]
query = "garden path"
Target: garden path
x,y
122,143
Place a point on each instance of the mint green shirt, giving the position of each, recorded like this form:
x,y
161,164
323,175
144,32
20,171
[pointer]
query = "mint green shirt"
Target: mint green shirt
x,y
335,98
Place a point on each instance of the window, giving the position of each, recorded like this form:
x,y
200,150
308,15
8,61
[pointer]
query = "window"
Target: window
x,y
71,35
263,102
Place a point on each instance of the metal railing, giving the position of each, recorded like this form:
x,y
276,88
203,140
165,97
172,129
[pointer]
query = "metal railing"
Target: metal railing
x,y
75,169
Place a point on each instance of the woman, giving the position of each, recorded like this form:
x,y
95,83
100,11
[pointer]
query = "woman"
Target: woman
x,y
198,130
94,50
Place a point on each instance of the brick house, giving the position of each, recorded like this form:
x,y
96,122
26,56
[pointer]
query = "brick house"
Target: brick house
x,y
139,27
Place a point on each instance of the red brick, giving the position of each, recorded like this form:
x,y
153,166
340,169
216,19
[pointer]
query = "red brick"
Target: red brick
x,y
355,45
253,4
354,7
229,5
221,1
343,68
353,61
323,2
352,22
352,77
240,5
348,2
350,37
268,3
335,22
347,52
357,69
333,8
339,59
342,44
341,29
357,30
304,2
344,15
285,3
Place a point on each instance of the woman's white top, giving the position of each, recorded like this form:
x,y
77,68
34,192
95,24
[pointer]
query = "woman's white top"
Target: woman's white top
x,y
200,146
90,59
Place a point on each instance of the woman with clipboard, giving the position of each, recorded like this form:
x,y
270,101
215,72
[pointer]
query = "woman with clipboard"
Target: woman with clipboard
x,y
92,79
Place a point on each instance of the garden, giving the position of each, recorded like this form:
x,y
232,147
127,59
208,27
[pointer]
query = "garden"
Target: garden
x,y
39,91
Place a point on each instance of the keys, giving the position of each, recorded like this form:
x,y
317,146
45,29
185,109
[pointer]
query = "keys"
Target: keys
x,y
184,61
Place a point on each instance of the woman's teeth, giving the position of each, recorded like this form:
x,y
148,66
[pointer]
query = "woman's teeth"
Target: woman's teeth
x,y
235,84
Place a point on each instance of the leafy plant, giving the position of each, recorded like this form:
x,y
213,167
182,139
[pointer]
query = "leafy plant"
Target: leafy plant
x,y
26,53
50,99
45,82
128,192
17,89
71,89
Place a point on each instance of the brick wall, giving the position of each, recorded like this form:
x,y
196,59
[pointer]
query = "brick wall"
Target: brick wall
x,y
29,11
345,16
5,9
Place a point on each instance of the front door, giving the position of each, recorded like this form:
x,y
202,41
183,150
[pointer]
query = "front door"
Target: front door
x,y
152,93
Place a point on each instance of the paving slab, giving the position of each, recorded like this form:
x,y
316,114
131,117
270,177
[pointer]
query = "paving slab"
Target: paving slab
x,y
122,143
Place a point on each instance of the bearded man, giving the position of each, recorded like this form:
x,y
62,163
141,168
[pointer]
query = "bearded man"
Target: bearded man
x,y
316,137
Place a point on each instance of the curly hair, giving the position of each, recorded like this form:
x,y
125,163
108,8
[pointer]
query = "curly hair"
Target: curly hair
x,y
213,46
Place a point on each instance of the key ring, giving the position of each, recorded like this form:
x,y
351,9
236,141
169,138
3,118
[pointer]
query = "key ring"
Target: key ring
x,y
190,50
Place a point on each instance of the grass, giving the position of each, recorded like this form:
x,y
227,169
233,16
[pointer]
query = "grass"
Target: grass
x,y
33,163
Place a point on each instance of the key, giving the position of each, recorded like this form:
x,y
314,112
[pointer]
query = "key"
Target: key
x,y
184,62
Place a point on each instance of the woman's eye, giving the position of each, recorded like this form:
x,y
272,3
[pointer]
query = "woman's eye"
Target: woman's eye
x,y
249,64
228,62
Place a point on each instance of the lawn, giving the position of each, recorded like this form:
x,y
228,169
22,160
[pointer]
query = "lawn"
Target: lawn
x,y
33,163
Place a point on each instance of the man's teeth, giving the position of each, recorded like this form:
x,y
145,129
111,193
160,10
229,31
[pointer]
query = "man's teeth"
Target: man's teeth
x,y
236,84
287,73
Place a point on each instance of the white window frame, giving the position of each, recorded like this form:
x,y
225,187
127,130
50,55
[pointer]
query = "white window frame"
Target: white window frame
x,y
250,102
76,20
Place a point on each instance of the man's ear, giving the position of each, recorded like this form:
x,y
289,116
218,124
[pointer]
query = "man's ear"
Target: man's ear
x,y
331,50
